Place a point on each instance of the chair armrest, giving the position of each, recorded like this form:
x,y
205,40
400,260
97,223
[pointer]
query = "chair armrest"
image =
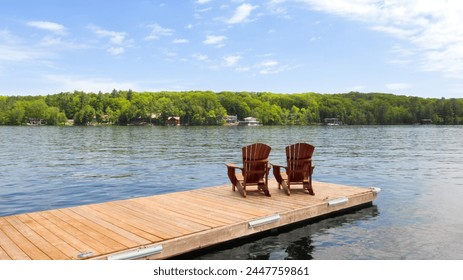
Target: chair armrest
x,y
232,165
277,172
278,166
231,172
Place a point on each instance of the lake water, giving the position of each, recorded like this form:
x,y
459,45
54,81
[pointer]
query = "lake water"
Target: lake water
x,y
418,214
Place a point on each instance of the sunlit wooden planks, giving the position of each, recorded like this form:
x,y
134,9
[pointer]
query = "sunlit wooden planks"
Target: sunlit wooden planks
x,y
39,242
179,222
8,247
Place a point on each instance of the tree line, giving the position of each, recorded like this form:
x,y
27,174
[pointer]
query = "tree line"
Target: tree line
x,y
211,108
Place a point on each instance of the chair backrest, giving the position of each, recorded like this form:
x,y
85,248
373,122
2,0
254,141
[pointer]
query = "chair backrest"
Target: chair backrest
x,y
299,161
255,162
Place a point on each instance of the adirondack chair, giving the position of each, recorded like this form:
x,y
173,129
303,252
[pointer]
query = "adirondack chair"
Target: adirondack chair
x,y
255,169
299,168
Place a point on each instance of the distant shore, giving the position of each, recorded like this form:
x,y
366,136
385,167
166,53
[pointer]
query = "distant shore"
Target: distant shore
x,y
193,108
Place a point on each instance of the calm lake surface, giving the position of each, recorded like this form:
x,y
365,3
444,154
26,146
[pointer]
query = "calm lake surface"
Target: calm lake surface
x,y
418,214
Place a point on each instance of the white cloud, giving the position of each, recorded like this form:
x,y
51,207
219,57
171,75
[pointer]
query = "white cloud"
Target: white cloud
x,y
170,53
13,49
431,27
71,83
58,43
180,41
200,57
356,9
204,10
117,40
115,50
49,26
276,7
267,71
215,40
241,13
400,61
17,53
202,1
398,86
7,37
357,88
243,69
269,67
157,32
394,31
269,63
231,60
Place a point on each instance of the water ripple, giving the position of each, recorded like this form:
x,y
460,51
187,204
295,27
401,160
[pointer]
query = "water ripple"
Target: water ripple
x,y
418,169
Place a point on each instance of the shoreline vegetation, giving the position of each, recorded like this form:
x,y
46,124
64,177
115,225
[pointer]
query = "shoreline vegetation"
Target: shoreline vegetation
x,y
226,108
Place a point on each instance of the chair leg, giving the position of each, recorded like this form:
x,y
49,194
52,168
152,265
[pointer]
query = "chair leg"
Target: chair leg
x,y
285,187
308,187
277,175
310,182
241,189
232,176
267,193
264,188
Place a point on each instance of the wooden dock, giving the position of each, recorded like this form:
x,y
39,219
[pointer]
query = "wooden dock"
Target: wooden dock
x,y
163,226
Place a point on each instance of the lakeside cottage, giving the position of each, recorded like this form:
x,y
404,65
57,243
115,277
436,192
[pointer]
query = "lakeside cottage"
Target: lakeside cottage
x,y
250,121
231,120
36,121
173,121
332,121
425,121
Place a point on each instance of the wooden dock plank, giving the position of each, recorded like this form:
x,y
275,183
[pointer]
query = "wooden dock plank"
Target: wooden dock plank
x,y
228,207
120,222
11,249
46,234
266,202
263,204
22,242
179,210
180,222
3,254
168,217
125,237
228,203
49,249
136,221
203,202
160,216
128,222
217,214
72,229
60,231
163,230
88,229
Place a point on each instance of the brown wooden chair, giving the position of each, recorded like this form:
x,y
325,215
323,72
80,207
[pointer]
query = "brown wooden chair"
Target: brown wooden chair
x,y
299,168
255,169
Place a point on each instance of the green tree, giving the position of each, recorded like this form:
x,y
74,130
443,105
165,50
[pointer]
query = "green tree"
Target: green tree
x,y
55,116
16,115
84,116
37,109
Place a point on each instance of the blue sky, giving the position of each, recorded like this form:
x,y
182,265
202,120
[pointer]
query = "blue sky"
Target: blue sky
x,y
407,47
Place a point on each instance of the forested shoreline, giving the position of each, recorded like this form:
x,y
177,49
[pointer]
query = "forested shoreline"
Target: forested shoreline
x,y
211,108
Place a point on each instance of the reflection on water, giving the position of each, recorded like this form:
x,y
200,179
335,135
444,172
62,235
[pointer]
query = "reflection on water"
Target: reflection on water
x,y
418,169
300,242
